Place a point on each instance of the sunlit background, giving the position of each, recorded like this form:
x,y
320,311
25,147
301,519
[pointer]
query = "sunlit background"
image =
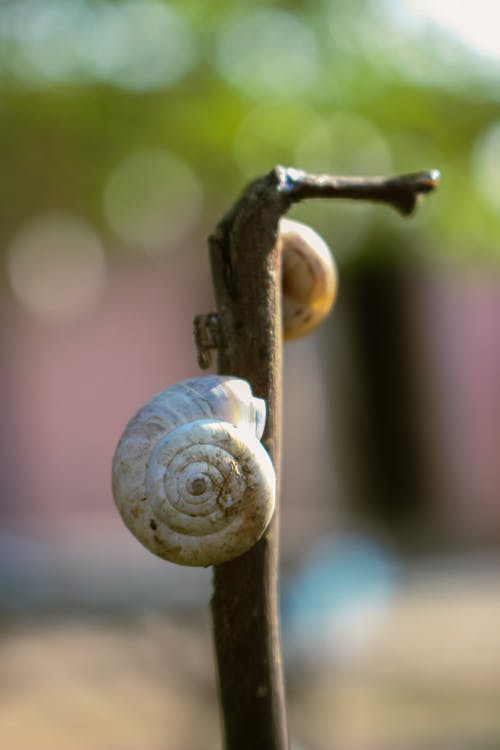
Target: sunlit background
x,y
126,131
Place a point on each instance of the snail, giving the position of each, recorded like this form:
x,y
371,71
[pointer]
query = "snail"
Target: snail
x,y
309,288
309,278
191,479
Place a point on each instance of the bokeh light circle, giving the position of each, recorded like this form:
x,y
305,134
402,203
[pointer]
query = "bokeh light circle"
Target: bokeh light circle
x,y
268,51
138,45
269,134
486,165
152,200
345,143
56,267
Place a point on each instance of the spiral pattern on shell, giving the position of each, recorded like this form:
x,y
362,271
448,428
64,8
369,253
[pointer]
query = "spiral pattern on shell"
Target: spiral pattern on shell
x,y
200,491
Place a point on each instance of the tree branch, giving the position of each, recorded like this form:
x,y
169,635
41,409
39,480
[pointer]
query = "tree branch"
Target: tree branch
x,y
246,270
401,192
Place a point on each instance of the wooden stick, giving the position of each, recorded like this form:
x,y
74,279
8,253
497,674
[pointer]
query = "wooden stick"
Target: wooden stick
x,y
246,270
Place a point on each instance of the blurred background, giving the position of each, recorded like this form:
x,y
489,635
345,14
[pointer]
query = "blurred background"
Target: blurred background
x,y
126,131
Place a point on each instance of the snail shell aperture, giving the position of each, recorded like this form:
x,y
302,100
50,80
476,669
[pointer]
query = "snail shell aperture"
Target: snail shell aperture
x,y
190,477
309,278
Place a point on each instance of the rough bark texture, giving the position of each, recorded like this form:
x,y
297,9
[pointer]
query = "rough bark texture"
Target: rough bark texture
x,y
246,272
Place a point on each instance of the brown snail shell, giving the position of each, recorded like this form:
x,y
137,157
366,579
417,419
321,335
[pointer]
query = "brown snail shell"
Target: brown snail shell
x,y
309,278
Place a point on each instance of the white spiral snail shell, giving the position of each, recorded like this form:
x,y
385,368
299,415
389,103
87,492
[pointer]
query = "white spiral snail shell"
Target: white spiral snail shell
x,y
190,478
309,278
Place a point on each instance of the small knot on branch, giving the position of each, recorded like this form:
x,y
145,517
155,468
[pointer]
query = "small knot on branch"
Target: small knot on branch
x,y
206,337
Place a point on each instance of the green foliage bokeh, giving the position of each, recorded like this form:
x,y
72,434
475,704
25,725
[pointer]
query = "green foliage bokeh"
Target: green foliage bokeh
x,y
328,83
